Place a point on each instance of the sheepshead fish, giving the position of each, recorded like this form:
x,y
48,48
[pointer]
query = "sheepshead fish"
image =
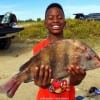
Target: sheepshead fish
x,y
58,56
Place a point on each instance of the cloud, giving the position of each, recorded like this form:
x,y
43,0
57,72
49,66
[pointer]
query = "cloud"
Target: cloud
x,y
16,9
24,14
7,8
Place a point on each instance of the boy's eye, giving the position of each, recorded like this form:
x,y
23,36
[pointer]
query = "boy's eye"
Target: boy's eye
x,y
50,17
60,17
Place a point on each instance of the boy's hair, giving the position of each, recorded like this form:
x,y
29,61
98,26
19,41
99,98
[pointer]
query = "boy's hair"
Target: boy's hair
x,y
54,5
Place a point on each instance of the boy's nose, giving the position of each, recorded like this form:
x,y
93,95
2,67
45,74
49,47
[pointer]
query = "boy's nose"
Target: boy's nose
x,y
55,19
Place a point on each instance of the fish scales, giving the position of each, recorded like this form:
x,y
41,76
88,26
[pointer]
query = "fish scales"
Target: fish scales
x,y
54,56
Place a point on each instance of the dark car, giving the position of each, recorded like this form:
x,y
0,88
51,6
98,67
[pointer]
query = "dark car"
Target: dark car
x,y
8,28
91,16
79,16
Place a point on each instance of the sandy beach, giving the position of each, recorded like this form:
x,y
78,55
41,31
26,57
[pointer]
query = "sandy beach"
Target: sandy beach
x,y
16,55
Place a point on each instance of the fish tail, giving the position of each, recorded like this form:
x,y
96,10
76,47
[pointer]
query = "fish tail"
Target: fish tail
x,y
10,87
12,90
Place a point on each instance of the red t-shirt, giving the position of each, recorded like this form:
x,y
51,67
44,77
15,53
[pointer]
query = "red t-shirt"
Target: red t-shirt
x,y
45,94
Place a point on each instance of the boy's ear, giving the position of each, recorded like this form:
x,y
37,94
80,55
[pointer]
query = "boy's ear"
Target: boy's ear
x,y
45,24
65,24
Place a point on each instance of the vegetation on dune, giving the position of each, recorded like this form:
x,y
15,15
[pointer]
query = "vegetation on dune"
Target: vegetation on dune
x,y
32,30
82,29
75,29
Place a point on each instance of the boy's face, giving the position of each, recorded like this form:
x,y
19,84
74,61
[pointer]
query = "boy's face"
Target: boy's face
x,y
55,21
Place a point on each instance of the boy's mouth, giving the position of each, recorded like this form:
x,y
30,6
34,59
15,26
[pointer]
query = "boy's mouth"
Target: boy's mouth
x,y
55,27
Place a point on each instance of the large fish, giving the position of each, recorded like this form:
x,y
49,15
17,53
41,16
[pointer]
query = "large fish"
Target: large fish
x,y
58,56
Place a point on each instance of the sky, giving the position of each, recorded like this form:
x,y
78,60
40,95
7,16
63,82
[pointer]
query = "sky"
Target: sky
x,y
33,9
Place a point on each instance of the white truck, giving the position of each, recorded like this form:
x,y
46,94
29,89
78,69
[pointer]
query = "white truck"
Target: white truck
x,y
8,29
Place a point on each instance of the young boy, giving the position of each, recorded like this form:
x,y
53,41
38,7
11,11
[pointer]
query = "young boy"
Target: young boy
x,y
55,23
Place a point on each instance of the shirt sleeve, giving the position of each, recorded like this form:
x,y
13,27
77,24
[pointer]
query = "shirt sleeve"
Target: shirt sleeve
x,y
40,45
36,49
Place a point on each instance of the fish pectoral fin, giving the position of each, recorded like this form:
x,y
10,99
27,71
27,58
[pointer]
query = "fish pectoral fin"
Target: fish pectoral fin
x,y
28,80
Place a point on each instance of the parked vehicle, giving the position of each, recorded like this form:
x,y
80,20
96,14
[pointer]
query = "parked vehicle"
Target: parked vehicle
x,y
91,16
8,29
79,16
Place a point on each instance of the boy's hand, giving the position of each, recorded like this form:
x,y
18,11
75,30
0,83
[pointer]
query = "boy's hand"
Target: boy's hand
x,y
42,76
77,74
